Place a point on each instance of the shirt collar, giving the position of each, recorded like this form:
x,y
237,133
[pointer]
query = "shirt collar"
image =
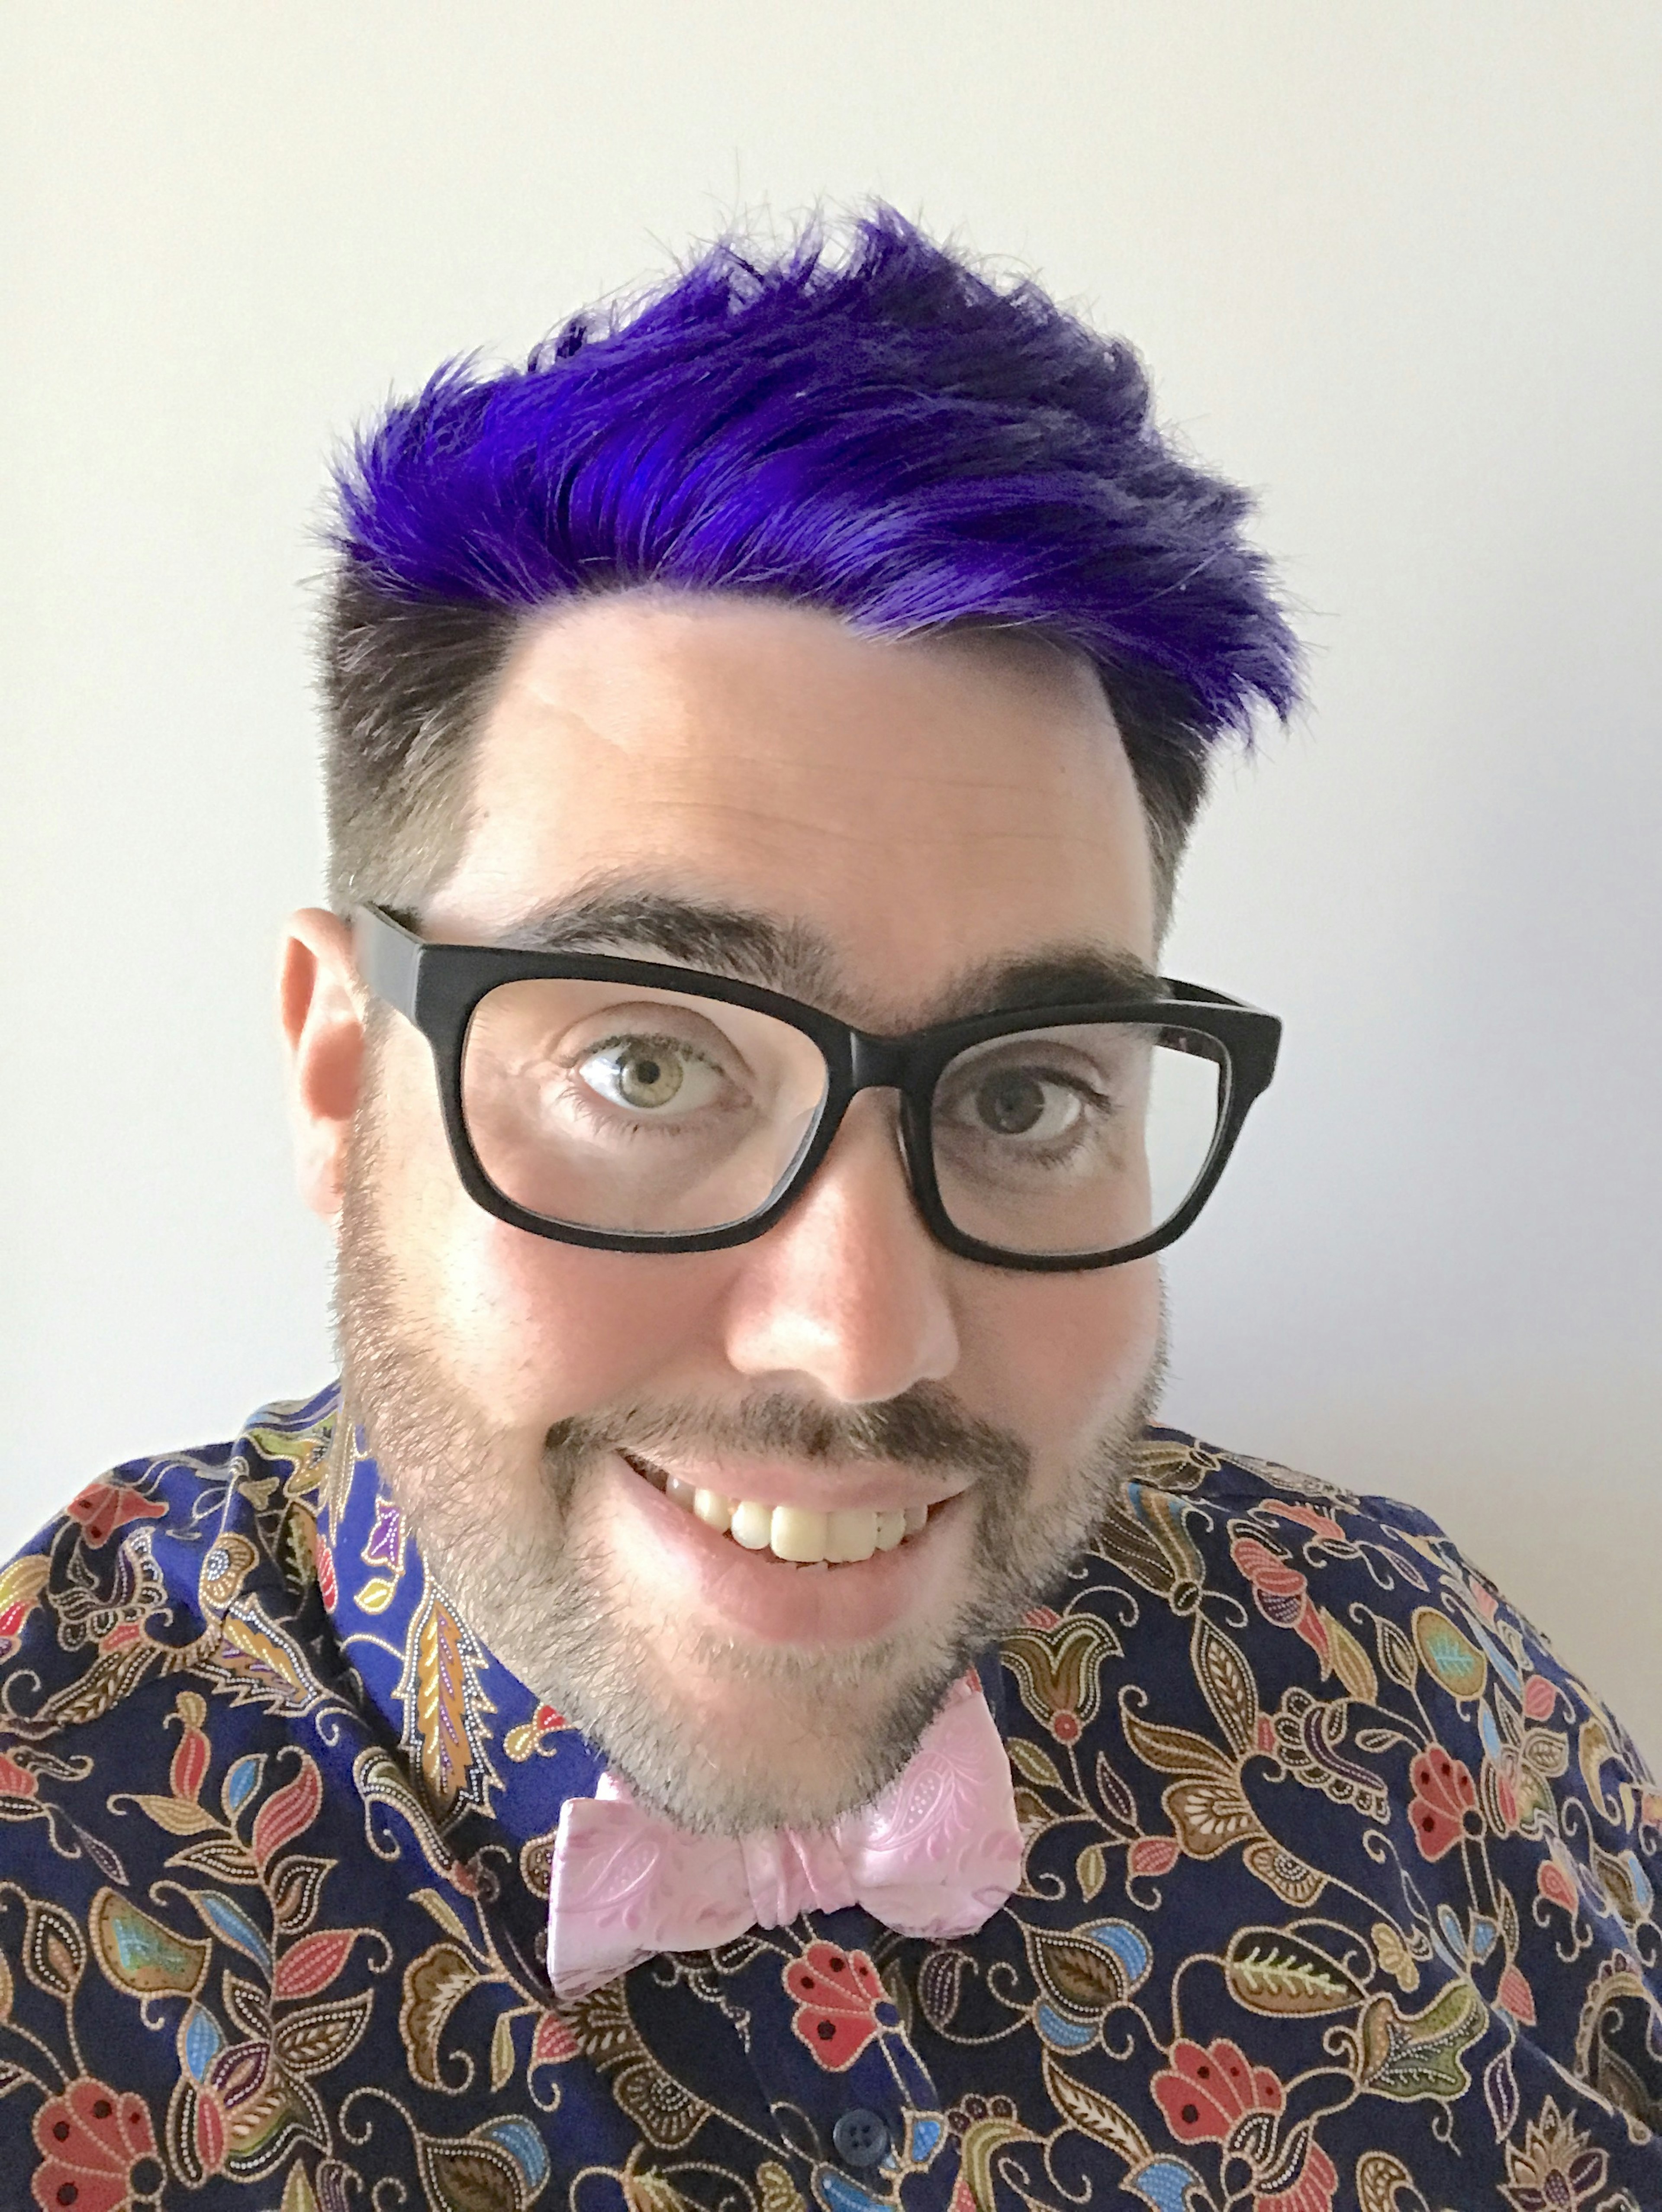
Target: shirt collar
x,y
478,1744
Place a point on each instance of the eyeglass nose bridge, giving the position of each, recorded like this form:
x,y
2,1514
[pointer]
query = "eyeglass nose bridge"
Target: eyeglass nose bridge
x,y
880,1063
876,1063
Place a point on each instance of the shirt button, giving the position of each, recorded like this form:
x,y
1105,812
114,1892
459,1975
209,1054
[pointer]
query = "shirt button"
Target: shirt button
x,y
860,2137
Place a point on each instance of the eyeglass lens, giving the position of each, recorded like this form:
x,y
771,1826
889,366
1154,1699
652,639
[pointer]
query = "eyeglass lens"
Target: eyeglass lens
x,y
658,1113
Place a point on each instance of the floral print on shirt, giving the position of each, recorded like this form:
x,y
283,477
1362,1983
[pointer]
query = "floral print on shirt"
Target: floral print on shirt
x,y
1339,1890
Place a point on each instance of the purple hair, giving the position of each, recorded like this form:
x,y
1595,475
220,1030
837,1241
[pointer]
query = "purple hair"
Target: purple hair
x,y
882,432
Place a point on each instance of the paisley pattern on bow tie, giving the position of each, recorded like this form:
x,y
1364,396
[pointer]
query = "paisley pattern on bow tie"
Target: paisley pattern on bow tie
x,y
1336,1889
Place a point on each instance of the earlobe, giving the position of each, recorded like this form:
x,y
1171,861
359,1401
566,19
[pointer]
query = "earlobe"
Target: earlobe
x,y
321,1007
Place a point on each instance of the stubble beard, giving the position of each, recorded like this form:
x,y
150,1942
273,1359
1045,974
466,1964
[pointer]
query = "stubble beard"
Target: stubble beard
x,y
520,1554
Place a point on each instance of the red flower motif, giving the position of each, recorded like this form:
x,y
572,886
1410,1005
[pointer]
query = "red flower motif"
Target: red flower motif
x,y
1203,2092
1540,1696
1153,1855
16,1781
1483,1598
327,1582
98,2149
1278,1590
1444,1793
839,1998
1501,1792
1041,1617
190,1764
103,1507
553,2043
1555,1885
1065,1726
1281,1593
1322,1526
1515,1996
286,1812
1313,2192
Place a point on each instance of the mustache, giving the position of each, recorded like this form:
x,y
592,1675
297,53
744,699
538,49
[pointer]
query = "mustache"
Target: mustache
x,y
924,1427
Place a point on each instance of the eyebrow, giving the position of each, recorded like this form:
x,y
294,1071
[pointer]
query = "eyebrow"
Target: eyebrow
x,y
798,962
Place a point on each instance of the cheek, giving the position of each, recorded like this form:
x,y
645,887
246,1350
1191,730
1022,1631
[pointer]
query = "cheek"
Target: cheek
x,y
531,1330
1061,1355
539,1330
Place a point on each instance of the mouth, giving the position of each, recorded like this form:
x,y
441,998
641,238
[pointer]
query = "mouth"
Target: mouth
x,y
799,1536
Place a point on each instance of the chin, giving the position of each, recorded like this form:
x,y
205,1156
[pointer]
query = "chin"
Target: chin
x,y
737,1741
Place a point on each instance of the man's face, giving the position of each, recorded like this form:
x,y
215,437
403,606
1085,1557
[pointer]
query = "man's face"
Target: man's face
x,y
912,817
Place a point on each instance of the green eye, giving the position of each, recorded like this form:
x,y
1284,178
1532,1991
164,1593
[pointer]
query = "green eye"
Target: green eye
x,y
646,1075
648,1079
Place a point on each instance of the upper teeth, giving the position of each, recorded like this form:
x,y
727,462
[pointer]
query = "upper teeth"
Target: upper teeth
x,y
796,1533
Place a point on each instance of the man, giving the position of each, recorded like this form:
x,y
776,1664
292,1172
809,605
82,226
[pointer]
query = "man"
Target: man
x,y
728,1703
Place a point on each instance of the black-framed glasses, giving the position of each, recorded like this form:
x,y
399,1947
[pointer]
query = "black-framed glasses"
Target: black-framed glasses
x,y
641,1107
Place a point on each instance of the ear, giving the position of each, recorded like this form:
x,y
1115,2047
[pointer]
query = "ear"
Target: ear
x,y
321,1004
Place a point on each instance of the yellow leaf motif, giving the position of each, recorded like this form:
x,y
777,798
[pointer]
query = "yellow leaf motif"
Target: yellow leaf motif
x,y
1269,1971
1174,1750
1094,2115
1038,1767
1395,1957
650,2192
1396,1655
501,2050
1350,1662
297,2192
983,2142
376,1594
444,1709
257,1662
433,1985
1594,1750
23,1580
313,2041
775,2190
1210,1813
178,1815
1227,1680
1380,2175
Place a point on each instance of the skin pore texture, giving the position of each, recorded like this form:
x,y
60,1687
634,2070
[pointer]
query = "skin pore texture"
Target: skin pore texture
x,y
908,816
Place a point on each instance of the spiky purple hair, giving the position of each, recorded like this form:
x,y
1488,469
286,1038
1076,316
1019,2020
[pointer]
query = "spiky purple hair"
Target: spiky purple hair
x,y
883,432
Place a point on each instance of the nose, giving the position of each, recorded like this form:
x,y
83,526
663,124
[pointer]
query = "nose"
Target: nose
x,y
849,1291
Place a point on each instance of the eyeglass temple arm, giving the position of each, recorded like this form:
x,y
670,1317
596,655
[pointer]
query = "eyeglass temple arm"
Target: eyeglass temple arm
x,y
388,956
1197,994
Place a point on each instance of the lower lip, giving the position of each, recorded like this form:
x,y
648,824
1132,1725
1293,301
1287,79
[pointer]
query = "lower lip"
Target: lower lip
x,y
757,1595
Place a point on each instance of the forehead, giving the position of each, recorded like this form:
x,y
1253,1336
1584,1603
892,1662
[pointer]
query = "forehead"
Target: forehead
x,y
922,807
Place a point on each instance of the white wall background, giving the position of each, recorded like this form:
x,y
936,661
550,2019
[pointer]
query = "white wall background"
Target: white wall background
x,y
1399,265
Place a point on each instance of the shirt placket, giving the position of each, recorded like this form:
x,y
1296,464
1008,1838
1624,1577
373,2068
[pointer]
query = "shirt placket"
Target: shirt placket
x,y
870,2130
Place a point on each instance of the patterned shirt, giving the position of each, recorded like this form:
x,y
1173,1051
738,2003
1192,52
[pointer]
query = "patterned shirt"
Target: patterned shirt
x,y
1338,1891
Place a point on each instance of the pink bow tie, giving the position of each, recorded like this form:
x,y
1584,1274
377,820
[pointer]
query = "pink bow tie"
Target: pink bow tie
x,y
936,1855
